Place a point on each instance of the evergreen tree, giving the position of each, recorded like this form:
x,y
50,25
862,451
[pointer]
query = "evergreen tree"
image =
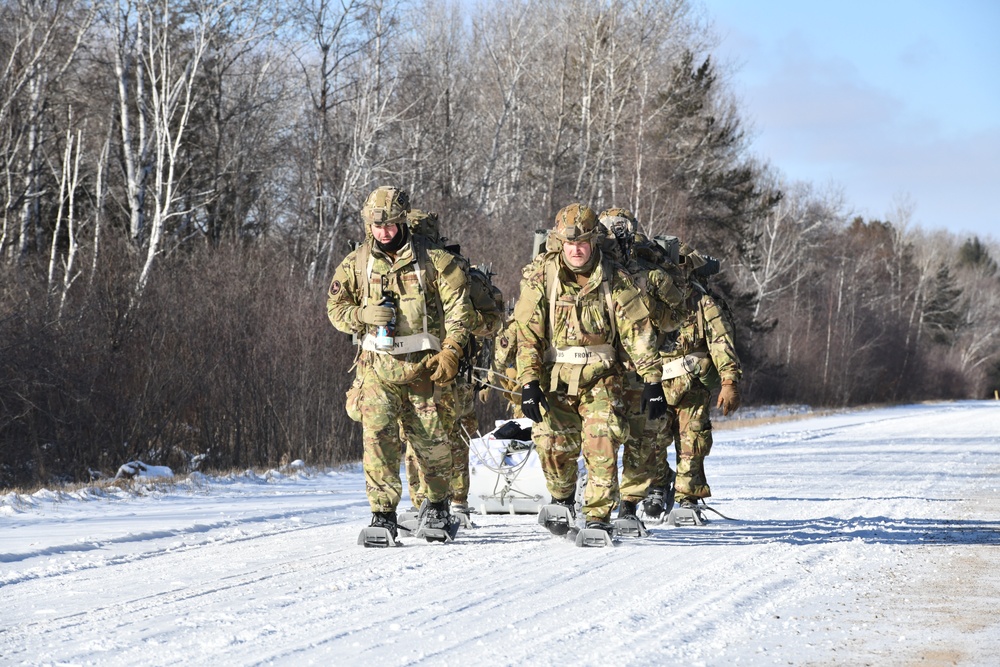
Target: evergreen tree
x,y
973,254
943,316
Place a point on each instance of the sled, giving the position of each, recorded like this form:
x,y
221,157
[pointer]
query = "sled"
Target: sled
x,y
505,474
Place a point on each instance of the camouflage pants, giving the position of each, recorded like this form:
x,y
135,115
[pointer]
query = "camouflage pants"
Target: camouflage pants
x,y
644,451
595,423
456,407
387,410
692,436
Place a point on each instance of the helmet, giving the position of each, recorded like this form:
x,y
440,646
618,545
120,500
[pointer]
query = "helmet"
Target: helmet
x,y
386,205
575,223
424,223
622,224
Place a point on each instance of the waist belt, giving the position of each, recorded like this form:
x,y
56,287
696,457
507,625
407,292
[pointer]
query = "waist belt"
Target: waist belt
x,y
404,344
588,354
578,357
683,366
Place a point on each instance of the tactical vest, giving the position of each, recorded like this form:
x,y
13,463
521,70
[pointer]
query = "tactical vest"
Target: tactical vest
x,y
693,357
363,267
577,357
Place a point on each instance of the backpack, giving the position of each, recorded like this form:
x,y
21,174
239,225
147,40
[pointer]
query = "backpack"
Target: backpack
x,y
486,298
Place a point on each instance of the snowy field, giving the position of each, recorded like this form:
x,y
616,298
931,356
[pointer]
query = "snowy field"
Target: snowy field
x,y
863,538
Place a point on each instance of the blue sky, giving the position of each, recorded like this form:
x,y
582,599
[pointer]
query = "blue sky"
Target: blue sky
x,y
885,99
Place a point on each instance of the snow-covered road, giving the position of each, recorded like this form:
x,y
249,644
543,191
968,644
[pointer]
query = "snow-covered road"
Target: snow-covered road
x,y
868,537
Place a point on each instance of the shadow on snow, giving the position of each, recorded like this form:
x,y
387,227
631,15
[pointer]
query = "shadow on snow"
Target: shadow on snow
x,y
873,530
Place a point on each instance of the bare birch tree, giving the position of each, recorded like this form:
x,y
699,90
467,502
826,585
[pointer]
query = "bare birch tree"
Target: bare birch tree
x,y
41,41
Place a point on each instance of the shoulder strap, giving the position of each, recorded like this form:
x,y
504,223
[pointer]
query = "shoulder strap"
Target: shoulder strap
x,y
551,291
425,265
607,268
362,270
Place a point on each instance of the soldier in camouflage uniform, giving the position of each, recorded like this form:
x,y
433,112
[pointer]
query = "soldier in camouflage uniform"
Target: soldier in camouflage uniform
x,y
665,301
703,359
457,405
575,305
397,275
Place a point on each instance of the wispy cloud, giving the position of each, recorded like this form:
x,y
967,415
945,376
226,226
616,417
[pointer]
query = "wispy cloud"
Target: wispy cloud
x,y
819,118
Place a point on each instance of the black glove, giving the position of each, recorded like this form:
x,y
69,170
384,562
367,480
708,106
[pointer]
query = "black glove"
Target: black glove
x,y
652,395
533,400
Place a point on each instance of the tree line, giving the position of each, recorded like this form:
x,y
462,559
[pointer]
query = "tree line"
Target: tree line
x,y
179,178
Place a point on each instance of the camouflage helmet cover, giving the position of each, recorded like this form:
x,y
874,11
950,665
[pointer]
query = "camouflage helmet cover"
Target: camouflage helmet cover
x,y
424,223
619,221
622,226
386,205
576,223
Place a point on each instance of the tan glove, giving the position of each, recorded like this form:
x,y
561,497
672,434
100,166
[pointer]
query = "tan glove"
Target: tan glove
x,y
729,397
484,394
444,364
376,315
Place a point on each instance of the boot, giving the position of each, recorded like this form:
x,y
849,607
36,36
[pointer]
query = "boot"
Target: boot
x,y
566,502
386,520
600,524
626,510
435,515
688,503
653,505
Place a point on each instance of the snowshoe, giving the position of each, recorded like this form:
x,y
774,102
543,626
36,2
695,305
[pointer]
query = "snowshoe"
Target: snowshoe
x,y
558,517
659,502
408,521
461,512
628,524
596,534
436,524
686,514
381,533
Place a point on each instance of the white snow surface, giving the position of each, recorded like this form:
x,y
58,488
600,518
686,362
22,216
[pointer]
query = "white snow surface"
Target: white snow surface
x,y
867,537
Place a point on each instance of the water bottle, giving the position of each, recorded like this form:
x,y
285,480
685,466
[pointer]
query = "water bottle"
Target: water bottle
x,y
385,334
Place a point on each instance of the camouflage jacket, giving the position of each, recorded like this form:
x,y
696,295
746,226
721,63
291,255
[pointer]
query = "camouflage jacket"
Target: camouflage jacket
x,y
424,280
705,343
580,318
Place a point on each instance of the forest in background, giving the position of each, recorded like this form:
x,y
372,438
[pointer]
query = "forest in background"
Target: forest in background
x,y
179,178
